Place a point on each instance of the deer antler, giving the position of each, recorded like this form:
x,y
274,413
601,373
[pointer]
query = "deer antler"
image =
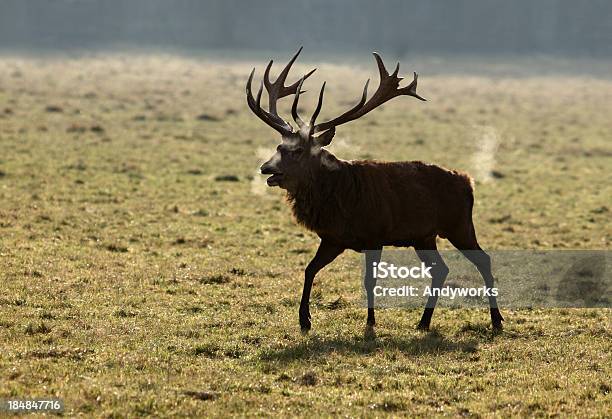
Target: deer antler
x,y
276,90
387,90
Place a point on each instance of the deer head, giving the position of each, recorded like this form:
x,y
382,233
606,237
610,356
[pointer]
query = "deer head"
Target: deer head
x,y
299,154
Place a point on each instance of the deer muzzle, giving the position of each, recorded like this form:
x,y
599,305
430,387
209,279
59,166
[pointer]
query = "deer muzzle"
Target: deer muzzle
x,y
269,169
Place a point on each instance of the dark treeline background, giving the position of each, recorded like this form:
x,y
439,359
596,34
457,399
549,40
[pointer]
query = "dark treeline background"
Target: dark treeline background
x,y
558,27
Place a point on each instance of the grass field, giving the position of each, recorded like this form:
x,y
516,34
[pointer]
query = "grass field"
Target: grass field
x,y
146,268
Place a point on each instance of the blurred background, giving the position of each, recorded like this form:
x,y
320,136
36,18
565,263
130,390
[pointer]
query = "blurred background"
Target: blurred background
x,y
558,27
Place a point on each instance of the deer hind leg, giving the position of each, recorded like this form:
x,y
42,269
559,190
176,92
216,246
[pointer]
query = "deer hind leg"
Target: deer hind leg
x,y
427,251
469,247
372,256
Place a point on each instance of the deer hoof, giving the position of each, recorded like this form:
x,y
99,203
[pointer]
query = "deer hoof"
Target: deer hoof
x,y
496,319
305,323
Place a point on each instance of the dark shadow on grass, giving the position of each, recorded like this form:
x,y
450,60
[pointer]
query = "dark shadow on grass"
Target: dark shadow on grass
x,y
427,343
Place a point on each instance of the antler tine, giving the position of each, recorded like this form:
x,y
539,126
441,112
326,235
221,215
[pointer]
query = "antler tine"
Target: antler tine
x,y
381,66
250,100
283,74
396,71
296,99
314,116
289,90
387,90
259,92
267,75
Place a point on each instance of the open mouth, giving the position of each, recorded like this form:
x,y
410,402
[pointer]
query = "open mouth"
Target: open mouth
x,y
275,179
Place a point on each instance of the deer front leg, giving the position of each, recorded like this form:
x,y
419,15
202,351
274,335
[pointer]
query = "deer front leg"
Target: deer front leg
x,y
326,253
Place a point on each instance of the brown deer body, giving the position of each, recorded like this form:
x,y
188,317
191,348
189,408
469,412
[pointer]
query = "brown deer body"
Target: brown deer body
x,y
365,205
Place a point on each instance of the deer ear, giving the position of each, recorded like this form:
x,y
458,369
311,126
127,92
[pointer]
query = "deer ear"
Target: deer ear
x,y
325,138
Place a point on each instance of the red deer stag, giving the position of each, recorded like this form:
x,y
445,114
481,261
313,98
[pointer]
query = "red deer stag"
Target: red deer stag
x,y
365,205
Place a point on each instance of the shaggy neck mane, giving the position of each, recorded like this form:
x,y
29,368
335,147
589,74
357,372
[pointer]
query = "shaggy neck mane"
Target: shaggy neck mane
x,y
324,197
